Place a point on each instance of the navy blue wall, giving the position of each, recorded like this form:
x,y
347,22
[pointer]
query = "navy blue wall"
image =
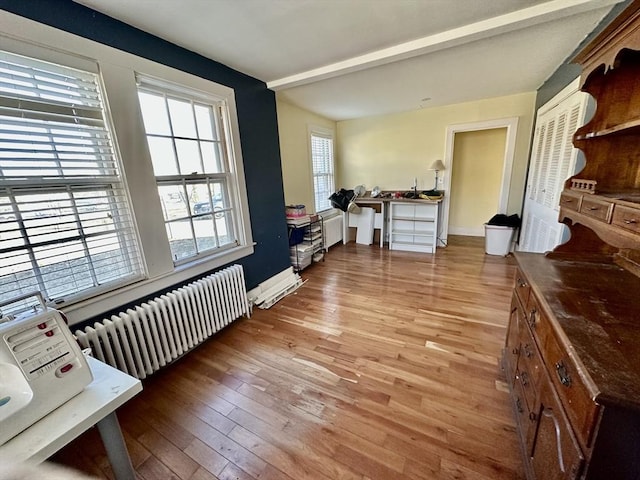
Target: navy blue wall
x,y
256,116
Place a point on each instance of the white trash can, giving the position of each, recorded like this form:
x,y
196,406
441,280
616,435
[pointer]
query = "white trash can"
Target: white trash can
x,y
498,239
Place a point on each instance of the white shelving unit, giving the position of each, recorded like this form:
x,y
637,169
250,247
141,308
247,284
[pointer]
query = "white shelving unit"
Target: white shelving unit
x,y
413,227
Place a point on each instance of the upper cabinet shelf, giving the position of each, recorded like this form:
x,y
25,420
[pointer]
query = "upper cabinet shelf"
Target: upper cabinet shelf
x,y
630,127
607,222
617,92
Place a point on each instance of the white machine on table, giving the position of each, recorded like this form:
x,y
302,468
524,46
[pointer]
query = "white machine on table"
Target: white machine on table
x,y
41,367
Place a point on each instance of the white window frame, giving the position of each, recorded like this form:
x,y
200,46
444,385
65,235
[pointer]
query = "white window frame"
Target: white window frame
x,y
326,133
66,228
224,219
118,72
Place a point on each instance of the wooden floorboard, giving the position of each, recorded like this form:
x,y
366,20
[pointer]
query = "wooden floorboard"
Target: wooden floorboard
x,y
383,365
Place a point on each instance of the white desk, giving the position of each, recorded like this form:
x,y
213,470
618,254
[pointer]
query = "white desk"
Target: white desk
x,y
404,236
95,405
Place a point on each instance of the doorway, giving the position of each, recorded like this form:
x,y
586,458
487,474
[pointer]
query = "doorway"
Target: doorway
x,y
499,193
476,175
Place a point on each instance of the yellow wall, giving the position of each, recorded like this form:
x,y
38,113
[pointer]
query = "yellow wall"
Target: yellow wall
x,y
476,176
293,127
390,151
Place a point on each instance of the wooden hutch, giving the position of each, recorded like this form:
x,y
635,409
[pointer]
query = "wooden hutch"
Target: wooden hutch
x,y
572,354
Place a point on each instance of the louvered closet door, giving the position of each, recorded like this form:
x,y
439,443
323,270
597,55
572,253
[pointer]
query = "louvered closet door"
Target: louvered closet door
x,y
553,160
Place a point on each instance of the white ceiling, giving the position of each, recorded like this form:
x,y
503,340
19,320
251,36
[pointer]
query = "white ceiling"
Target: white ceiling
x,y
347,59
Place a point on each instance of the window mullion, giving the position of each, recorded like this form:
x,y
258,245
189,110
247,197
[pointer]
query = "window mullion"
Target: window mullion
x,y
27,243
173,138
195,123
224,139
97,149
54,152
82,236
213,216
119,225
190,213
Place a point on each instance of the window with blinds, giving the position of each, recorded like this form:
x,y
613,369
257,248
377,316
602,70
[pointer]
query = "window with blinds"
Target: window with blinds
x,y
65,224
322,168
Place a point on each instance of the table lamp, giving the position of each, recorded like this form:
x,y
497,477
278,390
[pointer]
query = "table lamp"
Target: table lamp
x,y
437,166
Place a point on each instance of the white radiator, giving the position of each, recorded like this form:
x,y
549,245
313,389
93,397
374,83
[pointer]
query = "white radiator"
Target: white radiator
x,y
332,231
145,338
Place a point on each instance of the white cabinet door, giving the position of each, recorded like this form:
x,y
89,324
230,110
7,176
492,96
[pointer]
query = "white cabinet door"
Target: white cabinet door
x,y
553,160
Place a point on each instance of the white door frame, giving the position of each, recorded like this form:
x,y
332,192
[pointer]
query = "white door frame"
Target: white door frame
x,y
511,124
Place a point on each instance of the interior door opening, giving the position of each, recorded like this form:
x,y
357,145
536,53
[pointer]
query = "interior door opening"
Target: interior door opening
x,y
476,175
457,202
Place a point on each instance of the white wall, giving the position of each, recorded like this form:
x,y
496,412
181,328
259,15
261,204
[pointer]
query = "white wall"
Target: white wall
x,y
293,127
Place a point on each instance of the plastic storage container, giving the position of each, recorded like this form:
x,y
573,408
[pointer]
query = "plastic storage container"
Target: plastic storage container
x,y
498,239
295,211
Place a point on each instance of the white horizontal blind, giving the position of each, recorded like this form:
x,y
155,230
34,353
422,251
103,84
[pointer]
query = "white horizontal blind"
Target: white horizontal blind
x,y
322,165
65,222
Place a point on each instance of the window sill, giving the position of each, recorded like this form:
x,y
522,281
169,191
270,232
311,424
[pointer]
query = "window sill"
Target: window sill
x,y
85,309
330,213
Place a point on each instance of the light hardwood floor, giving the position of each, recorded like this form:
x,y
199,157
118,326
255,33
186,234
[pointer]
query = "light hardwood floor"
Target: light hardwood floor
x,y
384,365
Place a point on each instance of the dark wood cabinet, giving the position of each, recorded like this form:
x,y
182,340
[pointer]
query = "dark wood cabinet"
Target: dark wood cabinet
x,y
572,352
556,454
572,360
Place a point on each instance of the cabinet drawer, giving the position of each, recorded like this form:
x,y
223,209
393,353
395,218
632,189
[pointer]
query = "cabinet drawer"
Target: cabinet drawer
x,y
522,288
573,393
426,213
570,201
529,365
626,217
556,454
596,208
537,321
526,419
512,345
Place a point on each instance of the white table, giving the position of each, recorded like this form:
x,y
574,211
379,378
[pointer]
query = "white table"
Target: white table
x,y
95,405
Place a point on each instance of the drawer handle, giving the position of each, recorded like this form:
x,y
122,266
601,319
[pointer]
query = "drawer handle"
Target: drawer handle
x,y
515,351
532,416
630,221
548,412
532,318
519,405
527,350
563,374
524,378
521,283
567,200
594,208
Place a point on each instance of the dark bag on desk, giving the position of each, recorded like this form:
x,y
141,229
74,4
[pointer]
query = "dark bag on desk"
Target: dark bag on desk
x,y
341,199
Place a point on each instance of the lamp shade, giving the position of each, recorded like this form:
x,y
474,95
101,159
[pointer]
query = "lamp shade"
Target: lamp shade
x,y
437,165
